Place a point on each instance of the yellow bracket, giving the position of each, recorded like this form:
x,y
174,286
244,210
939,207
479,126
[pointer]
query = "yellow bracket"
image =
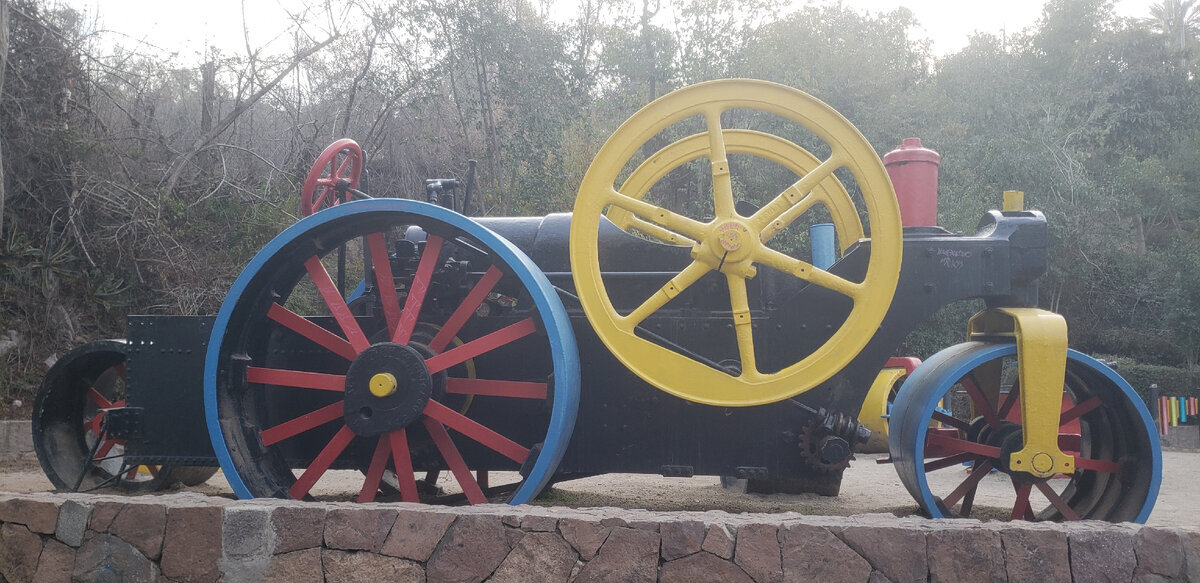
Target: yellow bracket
x,y
1041,339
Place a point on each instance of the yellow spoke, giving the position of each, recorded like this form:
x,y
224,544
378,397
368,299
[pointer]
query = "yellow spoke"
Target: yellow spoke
x,y
776,260
722,183
794,194
677,223
680,282
742,325
658,232
778,225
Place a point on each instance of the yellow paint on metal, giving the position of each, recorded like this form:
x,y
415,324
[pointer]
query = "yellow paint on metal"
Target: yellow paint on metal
x,y
383,384
1041,339
874,410
679,374
1014,200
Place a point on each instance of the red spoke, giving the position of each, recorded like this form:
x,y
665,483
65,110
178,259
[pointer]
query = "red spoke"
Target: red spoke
x,y
481,476
494,388
951,421
132,473
93,425
95,397
298,324
296,378
961,445
416,291
1059,504
981,403
337,305
1082,463
480,345
118,404
1021,508
460,423
341,169
946,462
383,278
375,472
302,423
981,469
105,447
317,468
967,503
153,470
1009,400
463,312
404,469
454,459
1078,411
324,193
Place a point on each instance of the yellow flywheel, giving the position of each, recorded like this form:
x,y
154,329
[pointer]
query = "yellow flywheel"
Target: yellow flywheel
x,y
733,244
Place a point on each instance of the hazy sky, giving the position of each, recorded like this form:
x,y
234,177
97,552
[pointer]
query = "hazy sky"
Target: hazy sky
x,y
186,26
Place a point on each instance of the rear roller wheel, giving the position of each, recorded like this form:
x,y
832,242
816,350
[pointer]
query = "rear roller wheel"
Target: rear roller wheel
x,y
70,439
295,385
950,441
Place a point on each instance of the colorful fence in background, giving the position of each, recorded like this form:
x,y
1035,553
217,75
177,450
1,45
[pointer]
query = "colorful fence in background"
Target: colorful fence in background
x,y
1175,410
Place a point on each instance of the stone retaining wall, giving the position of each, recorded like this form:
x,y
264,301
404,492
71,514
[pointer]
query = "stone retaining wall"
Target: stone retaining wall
x,y
16,441
189,537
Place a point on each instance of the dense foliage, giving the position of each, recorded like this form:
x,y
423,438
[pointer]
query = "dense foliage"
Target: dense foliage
x,y
136,184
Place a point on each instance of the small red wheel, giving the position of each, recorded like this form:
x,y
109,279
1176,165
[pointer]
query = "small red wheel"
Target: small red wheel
x,y
342,160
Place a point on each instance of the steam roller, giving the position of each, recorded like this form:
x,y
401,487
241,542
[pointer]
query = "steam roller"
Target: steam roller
x,y
678,322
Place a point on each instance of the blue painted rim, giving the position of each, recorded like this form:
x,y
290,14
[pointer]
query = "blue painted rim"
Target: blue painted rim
x,y
959,363
565,353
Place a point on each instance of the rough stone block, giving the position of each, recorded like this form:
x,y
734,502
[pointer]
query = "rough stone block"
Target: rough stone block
x,y
1160,553
965,555
55,563
358,529
540,557
627,555
899,553
19,552
72,522
104,557
103,514
360,567
586,537
1035,554
681,538
702,567
812,553
192,545
1191,553
302,566
758,552
246,532
415,534
719,541
40,516
470,551
141,525
298,527
539,523
1102,555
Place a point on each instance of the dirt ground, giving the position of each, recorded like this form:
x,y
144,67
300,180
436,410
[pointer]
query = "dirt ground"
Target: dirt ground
x,y
868,487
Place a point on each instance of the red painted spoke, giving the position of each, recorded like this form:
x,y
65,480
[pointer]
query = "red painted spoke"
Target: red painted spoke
x,y
322,462
105,447
337,305
455,460
481,476
1082,463
384,281
494,388
480,345
132,473
118,404
961,445
298,324
463,312
302,423
95,397
981,469
1009,400
460,423
404,469
1021,508
983,406
967,503
375,472
946,462
341,169
93,425
416,291
324,193
153,470
1059,504
296,378
1078,411
951,421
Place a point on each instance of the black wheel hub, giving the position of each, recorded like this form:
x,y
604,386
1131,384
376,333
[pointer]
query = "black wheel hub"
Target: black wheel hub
x,y
387,388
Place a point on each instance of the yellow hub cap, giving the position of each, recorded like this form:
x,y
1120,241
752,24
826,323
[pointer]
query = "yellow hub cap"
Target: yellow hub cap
x,y
383,384
734,244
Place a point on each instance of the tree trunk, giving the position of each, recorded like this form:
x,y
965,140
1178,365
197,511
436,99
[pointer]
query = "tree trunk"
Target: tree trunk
x,y
3,67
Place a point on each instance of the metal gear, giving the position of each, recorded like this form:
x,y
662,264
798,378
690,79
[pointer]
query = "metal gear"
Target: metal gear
x,y
820,450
